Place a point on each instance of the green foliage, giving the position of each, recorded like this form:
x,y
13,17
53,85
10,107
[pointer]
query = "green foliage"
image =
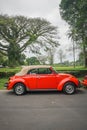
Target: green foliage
x,y
3,60
74,12
79,71
19,32
32,61
2,82
7,72
69,68
76,73
10,69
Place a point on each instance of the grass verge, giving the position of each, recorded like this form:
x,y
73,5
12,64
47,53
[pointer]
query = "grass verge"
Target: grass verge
x,y
2,82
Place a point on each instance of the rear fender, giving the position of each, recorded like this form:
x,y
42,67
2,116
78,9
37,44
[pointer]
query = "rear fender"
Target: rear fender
x,y
12,84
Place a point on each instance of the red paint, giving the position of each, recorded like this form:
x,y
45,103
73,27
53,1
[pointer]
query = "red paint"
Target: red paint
x,y
84,81
43,81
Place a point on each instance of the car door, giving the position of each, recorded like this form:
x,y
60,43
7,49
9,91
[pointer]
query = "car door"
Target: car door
x,y
32,79
46,79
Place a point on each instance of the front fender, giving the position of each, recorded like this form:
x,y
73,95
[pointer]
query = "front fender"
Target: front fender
x,y
61,84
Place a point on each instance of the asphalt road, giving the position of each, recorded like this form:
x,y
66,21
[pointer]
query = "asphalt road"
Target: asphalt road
x,y
43,111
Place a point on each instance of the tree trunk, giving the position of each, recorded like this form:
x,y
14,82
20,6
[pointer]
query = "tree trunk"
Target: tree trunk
x,y
74,54
85,55
13,54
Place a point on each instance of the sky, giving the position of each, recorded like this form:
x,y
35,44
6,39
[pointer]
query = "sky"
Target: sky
x,y
48,9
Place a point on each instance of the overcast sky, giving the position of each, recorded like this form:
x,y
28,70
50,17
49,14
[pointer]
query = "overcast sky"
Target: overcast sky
x,y
48,9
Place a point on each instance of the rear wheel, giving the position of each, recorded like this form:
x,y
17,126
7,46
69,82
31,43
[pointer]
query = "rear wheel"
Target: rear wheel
x,y
69,88
19,89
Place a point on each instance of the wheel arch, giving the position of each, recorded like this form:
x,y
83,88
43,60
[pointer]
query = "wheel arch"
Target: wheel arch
x,y
62,84
19,82
22,82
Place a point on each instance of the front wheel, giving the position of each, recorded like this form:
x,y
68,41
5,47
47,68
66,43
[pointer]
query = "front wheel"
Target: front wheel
x,y
69,88
19,89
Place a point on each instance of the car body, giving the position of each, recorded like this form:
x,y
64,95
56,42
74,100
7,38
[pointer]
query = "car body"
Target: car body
x,y
84,81
41,77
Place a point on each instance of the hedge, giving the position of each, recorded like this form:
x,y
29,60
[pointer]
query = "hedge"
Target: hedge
x,y
6,74
77,73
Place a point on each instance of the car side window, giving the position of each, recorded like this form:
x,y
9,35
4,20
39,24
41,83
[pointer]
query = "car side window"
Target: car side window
x,y
44,71
32,71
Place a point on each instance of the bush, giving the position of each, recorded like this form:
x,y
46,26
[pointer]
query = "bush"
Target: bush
x,y
6,74
77,73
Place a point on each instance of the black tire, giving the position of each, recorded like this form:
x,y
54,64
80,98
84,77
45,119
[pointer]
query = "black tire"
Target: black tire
x,y
19,89
69,88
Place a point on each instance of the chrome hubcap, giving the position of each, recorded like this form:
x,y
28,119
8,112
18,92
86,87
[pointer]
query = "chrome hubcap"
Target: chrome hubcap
x,y
19,89
69,89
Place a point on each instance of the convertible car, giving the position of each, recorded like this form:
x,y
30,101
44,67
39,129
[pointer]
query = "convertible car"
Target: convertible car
x,y
84,81
42,78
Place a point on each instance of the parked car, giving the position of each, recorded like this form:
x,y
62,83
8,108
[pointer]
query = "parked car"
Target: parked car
x,y
84,81
42,78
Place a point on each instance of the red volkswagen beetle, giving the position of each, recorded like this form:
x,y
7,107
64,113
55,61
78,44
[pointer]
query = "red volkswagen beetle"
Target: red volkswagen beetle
x,y
41,78
84,81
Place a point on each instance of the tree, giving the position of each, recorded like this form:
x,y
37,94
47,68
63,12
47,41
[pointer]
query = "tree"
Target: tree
x,y
74,12
32,61
81,59
42,59
22,59
19,32
61,55
73,36
51,51
2,59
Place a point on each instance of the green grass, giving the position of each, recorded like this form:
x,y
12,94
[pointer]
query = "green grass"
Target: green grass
x,y
2,82
70,68
10,69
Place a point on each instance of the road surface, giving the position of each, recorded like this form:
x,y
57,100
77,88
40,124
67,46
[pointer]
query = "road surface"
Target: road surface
x,y
43,111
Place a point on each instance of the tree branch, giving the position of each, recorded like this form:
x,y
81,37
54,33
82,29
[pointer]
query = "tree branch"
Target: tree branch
x,y
4,46
3,49
3,53
7,39
25,45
